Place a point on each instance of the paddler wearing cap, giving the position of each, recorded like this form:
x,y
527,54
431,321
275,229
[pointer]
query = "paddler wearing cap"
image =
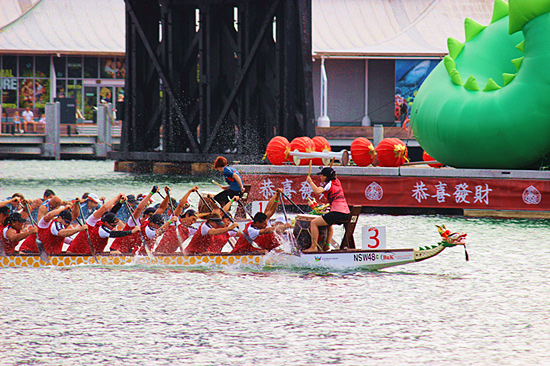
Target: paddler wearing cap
x,y
130,244
339,209
212,233
53,229
182,223
260,231
101,225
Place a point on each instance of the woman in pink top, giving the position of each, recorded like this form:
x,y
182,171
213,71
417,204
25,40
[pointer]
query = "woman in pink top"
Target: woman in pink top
x,y
339,209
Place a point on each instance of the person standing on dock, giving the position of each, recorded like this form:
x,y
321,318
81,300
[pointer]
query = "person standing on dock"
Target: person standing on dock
x,y
232,177
339,209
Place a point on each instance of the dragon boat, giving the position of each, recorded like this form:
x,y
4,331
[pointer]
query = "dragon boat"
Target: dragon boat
x,y
374,259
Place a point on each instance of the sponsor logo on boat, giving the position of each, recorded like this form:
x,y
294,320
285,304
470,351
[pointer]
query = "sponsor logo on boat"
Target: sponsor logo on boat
x,y
364,257
387,257
317,259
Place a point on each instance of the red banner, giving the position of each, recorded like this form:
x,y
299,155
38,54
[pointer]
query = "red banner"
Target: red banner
x,y
464,193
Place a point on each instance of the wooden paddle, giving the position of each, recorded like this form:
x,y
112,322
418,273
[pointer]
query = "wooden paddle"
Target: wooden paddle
x,y
180,241
309,170
43,255
218,184
81,216
143,244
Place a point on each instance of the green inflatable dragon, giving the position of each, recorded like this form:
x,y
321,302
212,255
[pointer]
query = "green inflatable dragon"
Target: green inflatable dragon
x,y
487,105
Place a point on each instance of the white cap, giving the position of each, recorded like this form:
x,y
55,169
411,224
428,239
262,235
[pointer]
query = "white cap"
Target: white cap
x,y
93,197
280,219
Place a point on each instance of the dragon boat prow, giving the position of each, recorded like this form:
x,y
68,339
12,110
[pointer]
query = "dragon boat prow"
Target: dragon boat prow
x,y
368,259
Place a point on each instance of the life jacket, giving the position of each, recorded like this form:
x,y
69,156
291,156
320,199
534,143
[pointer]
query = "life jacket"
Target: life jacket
x,y
9,246
199,243
29,245
264,241
53,244
169,242
127,244
336,198
80,243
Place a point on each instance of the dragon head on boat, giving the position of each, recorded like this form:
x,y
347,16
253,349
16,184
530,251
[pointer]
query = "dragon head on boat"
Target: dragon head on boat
x,y
449,238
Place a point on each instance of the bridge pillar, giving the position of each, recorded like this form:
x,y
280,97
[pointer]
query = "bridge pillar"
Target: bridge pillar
x,y
52,147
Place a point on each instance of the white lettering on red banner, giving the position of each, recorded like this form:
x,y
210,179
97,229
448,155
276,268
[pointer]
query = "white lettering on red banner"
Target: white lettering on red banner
x,y
461,193
267,189
482,194
305,190
420,191
440,192
287,188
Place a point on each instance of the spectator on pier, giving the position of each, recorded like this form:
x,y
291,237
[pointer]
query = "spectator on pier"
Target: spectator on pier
x,y
17,123
28,120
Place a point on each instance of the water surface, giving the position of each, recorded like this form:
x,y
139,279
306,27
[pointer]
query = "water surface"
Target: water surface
x,y
444,311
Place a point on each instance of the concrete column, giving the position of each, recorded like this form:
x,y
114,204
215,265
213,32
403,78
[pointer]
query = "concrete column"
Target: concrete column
x,y
323,120
104,137
52,147
377,134
366,119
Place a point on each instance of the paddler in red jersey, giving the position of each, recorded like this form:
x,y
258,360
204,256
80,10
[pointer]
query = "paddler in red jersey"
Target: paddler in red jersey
x,y
100,227
12,233
53,228
212,233
260,231
179,228
339,209
130,243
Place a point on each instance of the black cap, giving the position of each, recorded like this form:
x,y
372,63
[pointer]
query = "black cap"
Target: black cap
x,y
327,172
16,217
131,198
66,215
5,210
109,218
156,219
190,212
149,211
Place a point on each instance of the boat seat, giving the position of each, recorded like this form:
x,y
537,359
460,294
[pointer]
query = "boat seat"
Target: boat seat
x,y
348,242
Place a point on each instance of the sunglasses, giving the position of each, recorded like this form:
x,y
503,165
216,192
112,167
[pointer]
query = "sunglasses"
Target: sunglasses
x,y
67,222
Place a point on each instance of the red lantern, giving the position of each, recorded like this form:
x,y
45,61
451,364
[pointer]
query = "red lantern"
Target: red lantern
x,y
302,144
392,152
277,150
427,157
321,144
362,151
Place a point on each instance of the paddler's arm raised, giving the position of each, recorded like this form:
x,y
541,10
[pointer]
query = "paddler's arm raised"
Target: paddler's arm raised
x,y
183,201
164,204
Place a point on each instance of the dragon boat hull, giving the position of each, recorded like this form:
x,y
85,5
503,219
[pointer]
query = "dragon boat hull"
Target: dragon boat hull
x,y
365,259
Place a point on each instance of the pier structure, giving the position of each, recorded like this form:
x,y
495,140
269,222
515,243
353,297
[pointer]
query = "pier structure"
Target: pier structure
x,y
216,77
64,141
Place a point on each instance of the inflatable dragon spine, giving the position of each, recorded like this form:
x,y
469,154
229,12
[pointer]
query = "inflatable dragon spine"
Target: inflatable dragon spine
x,y
505,124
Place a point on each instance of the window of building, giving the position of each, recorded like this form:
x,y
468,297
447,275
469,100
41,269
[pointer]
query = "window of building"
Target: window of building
x,y
9,66
108,68
26,67
60,66
41,92
91,67
74,67
26,93
42,66
61,89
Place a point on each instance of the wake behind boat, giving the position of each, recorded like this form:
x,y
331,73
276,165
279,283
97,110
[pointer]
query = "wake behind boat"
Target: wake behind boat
x,y
374,259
